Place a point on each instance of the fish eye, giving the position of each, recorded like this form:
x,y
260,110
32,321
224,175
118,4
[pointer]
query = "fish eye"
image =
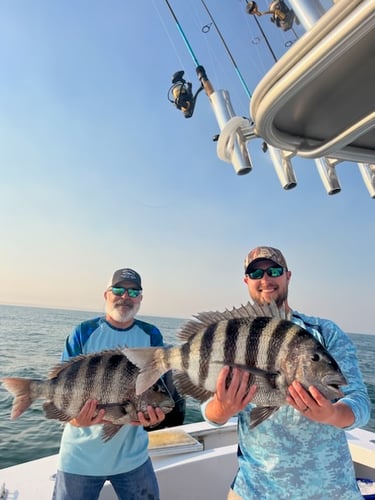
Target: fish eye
x,y
158,388
315,357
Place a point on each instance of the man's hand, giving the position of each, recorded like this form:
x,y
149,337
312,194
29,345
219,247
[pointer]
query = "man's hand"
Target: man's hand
x,y
313,405
155,417
228,401
88,415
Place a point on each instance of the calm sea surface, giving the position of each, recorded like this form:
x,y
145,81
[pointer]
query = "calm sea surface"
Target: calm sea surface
x,y
31,341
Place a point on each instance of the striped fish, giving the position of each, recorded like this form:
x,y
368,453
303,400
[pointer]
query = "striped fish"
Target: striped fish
x,y
108,376
259,339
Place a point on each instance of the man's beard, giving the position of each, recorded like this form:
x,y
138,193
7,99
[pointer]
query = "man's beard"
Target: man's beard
x,y
279,300
119,314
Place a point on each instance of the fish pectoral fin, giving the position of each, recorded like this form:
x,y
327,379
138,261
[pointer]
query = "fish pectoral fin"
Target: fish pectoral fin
x,y
186,387
109,430
261,413
51,411
144,358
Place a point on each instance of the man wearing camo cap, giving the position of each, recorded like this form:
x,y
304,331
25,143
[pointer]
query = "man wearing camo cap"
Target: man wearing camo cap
x,y
301,451
263,280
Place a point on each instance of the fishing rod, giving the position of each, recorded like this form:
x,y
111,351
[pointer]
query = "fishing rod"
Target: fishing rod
x,y
228,51
191,52
235,131
181,90
252,8
282,16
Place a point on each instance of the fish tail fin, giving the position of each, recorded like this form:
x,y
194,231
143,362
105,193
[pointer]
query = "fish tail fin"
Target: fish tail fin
x,y
152,366
21,389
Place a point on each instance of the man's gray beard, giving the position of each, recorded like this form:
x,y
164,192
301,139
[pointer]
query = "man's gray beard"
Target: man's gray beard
x,y
122,317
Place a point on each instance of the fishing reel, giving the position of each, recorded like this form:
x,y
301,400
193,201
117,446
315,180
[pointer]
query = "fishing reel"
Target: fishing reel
x,y
181,94
282,16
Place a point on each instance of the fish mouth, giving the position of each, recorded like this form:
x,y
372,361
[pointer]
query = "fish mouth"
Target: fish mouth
x,y
333,382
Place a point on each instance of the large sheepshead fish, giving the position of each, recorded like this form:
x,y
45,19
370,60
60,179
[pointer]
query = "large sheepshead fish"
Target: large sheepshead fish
x,y
259,339
108,376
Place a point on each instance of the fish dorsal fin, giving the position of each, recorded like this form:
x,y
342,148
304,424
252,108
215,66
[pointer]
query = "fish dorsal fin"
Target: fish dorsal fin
x,y
64,364
247,311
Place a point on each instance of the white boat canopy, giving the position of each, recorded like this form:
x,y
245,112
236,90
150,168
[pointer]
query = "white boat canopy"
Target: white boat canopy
x,y
318,100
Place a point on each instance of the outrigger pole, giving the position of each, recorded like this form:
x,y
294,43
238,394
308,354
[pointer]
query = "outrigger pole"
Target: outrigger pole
x,y
232,141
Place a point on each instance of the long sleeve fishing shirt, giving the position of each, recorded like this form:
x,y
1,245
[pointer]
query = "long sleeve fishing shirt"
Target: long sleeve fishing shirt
x,y
291,457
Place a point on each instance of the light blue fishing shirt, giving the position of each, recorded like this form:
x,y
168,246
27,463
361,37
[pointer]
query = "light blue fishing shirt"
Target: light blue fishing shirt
x,y
82,449
291,457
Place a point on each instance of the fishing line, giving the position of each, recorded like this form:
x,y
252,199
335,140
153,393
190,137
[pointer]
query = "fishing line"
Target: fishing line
x,y
246,88
167,33
215,63
181,31
256,40
264,36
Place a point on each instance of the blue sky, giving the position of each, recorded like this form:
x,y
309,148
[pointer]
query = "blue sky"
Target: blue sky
x,y
100,171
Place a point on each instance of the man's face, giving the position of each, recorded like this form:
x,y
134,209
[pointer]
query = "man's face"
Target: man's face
x,y
268,288
122,308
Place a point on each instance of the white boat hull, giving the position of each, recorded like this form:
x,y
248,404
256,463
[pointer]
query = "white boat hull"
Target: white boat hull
x,y
186,468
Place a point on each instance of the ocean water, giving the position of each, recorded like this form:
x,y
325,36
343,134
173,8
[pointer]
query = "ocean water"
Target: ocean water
x,y
31,341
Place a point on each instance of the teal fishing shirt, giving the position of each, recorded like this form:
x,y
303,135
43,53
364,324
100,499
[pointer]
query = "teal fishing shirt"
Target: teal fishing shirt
x,y
82,449
291,457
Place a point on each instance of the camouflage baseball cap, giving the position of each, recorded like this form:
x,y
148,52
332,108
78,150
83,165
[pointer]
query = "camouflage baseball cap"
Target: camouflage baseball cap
x,y
269,253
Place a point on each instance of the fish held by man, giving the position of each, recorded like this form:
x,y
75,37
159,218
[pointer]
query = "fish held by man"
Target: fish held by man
x,y
108,377
258,339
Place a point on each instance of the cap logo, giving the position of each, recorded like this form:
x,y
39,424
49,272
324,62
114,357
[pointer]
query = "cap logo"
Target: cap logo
x,y
127,274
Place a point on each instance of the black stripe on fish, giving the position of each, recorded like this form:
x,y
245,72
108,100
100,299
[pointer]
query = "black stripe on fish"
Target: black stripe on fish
x,y
205,351
277,338
230,346
253,340
69,377
113,367
92,368
185,356
254,343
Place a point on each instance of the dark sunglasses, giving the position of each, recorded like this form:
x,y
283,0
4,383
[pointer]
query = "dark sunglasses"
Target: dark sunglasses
x,y
272,272
120,290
